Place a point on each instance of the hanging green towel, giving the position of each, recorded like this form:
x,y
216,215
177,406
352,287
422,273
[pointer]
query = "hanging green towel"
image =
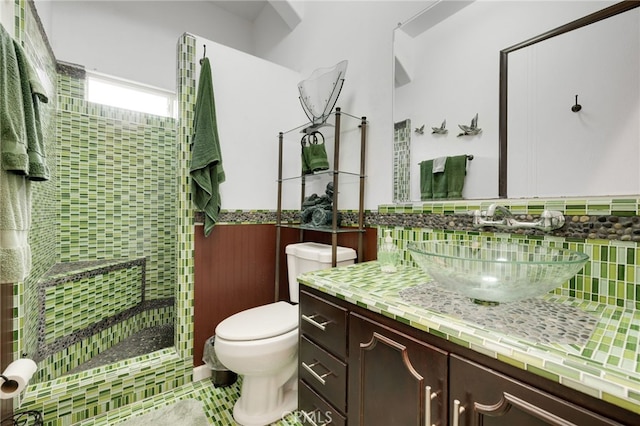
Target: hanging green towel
x,y
440,184
455,170
206,158
13,139
315,156
426,180
32,94
22,147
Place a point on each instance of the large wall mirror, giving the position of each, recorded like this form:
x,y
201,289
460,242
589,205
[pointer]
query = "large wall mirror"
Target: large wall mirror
x,y
597,132
447,67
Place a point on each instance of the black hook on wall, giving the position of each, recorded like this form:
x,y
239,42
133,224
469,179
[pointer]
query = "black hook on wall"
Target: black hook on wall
x,y
204,55
577,107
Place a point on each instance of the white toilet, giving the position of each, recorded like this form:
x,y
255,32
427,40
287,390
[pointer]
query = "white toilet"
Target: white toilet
x,y
261,344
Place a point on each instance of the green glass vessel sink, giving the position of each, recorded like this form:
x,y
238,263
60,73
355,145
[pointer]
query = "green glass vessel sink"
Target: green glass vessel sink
x,y
491,272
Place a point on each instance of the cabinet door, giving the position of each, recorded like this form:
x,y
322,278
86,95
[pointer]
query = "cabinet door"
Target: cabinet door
x,y
480,396
394,379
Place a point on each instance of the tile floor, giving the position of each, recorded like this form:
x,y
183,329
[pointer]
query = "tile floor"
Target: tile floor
x,y
218,403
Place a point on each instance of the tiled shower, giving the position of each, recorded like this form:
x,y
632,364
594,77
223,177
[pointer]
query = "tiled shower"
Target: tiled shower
x,y
104,234
116,273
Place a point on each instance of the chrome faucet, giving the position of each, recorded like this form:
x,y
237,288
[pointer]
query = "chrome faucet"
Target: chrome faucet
x,y
548,221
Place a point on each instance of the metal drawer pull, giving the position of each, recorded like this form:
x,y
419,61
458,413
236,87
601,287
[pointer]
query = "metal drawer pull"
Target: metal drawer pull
x,y
317,376
428,397
457,410
308,418
313,322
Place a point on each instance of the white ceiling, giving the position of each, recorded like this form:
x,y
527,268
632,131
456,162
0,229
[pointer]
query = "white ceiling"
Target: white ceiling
x,y
246,9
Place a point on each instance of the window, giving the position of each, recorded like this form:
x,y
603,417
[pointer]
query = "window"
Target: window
x,y
112,91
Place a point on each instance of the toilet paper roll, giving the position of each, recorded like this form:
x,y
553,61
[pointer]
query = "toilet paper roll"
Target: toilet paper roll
x,y
16,377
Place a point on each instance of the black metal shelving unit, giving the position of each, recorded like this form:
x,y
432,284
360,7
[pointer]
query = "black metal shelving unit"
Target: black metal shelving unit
x,y
334,229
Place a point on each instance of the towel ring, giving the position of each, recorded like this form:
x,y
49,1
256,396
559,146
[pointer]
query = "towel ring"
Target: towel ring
x,y
307,138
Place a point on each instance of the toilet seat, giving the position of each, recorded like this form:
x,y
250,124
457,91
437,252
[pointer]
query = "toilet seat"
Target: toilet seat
x,y
261,322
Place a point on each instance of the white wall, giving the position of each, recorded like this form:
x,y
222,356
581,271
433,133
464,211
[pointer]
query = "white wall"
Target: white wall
x,y
136,40
361,32
255,99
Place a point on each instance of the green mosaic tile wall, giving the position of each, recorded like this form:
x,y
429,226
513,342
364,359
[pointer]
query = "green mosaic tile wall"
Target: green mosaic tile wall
x,y
611,274
72,87
107,295
186,95
117,176
401,160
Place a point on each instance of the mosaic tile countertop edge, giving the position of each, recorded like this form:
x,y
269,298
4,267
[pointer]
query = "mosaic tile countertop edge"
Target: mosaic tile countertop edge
x,y
606,367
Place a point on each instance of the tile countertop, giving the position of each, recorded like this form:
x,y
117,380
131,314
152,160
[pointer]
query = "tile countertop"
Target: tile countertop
x,y
606,367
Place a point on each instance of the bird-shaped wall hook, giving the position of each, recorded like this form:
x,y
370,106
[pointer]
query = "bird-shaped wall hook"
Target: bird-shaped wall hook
x,y
470,130
440,130
420,130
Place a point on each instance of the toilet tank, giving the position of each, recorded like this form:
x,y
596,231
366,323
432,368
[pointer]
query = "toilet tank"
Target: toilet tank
x,y
307,257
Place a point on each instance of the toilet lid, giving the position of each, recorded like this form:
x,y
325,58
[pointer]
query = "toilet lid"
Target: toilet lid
x,y
262,322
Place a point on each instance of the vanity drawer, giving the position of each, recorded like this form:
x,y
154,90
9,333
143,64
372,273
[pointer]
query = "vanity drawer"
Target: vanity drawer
x,y
324,373
315,411
324,323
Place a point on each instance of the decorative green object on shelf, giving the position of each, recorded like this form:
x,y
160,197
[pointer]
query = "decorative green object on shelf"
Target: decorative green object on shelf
x,y
317,211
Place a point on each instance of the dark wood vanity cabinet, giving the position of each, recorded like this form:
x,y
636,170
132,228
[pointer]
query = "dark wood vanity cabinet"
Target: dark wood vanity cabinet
x,y
322,365
394,379
479,396
360,368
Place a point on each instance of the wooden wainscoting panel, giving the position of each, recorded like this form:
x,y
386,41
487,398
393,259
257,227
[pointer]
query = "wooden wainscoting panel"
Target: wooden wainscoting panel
x,y
234,271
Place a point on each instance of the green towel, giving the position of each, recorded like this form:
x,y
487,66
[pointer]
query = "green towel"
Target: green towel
x,y
32,94
440,184
314,154
13,138
22,156
206,159
426,180
22,145
455,170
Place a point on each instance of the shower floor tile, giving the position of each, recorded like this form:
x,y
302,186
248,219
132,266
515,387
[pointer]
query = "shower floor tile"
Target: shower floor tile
x,y
145,341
